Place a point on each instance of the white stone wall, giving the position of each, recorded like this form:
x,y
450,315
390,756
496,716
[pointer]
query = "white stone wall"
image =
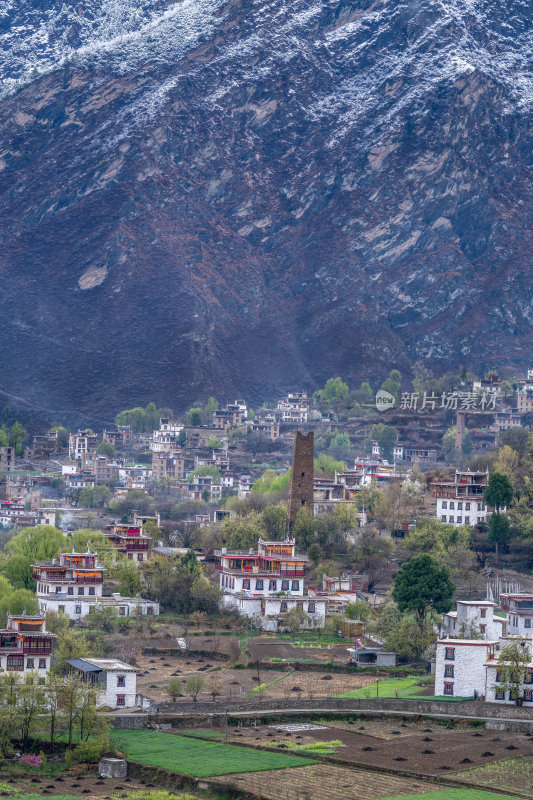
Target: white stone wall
x,y
468,614
492,685
250,607
519,624
234,583
46,590
74,607
469,672
41,671
455,511
112,689
78,608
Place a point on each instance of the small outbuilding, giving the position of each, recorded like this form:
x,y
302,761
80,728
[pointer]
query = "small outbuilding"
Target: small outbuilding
x,y
371,656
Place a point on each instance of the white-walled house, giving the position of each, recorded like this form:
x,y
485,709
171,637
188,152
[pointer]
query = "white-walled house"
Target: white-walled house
x,y
460,666
266,584
473,614
461,502
115,681
26,645
519,608
69,583
495,694
268,612
72,584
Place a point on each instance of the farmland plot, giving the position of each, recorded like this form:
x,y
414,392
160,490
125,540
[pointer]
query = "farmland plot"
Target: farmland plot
x,y
324,781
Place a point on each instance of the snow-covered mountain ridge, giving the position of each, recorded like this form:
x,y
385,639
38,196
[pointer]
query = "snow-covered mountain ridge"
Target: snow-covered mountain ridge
x,y
339,185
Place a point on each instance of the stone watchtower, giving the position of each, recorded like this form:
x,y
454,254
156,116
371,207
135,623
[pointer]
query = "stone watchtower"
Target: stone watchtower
x,y
302,477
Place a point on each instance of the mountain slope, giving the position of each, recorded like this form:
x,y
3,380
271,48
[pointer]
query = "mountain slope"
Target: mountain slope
x,y
240,197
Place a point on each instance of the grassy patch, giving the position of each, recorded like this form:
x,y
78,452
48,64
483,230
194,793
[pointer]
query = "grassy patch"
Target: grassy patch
x,y
391,687
40,797
204,733
198,757
452,794
318,748
509,773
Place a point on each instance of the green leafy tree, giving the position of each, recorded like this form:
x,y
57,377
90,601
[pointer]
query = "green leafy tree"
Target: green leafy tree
x,y
195,417
87,539
392,384
499,531
57,621
175,688
39,543
513,663
209,407
160,579
205,596
448,443
214,443
272,484
194,686
499,492
136,499
347,517
340,446
94,497
105,448
315,554
206,469
358,610
62,435
329,465
182,438
385,436
242,533
336,390
142,420
303,530
73,644
422,585
294,620
103,617
274,521
18,600
408,634
363,395
17,438
129,577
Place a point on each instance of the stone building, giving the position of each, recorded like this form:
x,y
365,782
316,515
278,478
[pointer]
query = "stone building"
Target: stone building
x,y
302,477
25,644
115,681
473,616
460,666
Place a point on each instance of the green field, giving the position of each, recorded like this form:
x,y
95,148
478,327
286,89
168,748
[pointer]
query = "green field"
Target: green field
x,y
198,757
391,687
40,797
452,794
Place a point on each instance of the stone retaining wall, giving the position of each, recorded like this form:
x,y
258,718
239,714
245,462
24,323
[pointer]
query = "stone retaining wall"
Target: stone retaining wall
x,y
473,708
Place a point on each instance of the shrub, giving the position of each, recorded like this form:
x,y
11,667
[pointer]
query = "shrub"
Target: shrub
x,y
175,687
87,752
31,760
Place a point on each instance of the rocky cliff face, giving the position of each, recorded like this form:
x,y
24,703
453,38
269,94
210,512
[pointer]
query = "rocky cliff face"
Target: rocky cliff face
x,y
242,197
